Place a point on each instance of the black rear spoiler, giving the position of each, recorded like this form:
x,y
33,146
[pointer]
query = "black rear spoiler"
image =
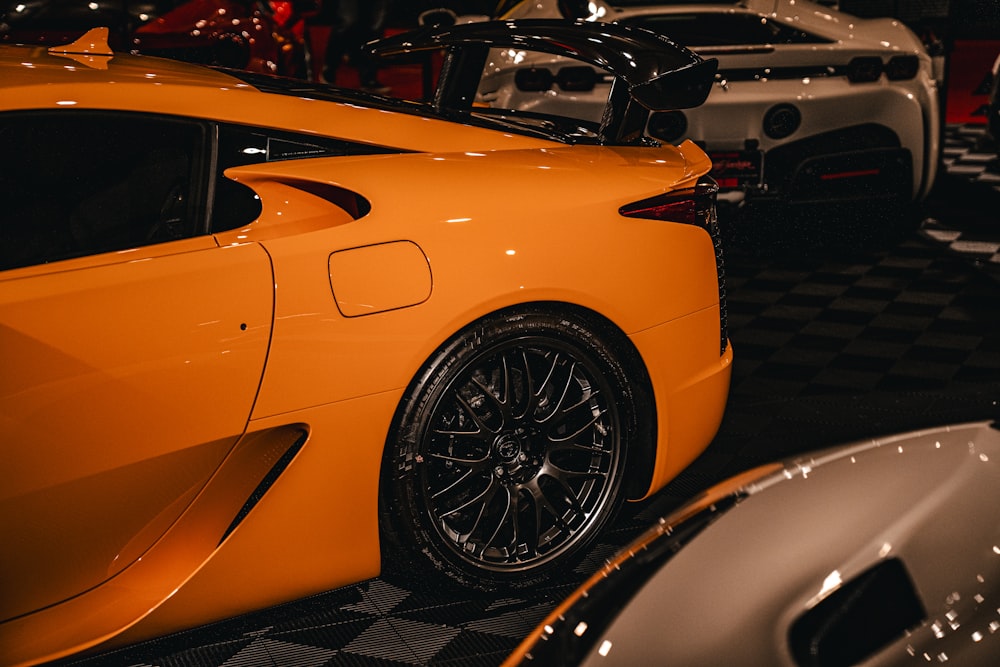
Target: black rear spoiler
x,y
651,72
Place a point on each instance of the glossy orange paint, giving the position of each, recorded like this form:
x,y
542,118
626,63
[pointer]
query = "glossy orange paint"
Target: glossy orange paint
x,y
361,285
147,393
99,334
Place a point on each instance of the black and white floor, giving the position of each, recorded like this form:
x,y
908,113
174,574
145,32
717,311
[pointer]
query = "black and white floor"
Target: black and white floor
x,y
829,348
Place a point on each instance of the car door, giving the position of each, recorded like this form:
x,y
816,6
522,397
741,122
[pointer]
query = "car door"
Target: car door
x,y
131,344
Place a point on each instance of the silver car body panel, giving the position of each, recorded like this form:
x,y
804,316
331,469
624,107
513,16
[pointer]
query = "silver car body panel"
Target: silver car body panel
x,y
928,498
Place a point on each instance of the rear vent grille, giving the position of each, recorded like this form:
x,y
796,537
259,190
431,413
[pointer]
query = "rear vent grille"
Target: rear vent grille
x,y
720,266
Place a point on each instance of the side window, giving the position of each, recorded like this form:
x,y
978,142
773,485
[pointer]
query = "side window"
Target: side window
x,y
235,204
79,183
240,145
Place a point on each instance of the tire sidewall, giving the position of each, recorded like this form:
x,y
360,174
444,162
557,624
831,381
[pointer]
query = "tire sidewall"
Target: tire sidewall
x,y
414,543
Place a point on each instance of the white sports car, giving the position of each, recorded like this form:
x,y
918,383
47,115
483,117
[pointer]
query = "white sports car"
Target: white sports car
x,y
879,553
810,106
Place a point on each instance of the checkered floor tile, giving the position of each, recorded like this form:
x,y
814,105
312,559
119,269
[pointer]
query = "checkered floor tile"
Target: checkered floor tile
x,y
971,153
971,177
830,347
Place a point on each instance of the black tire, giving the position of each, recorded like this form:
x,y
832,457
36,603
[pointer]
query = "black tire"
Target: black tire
x,y
507,455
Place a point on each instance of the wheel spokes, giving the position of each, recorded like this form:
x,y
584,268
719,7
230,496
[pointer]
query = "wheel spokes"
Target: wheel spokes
x,y
522,456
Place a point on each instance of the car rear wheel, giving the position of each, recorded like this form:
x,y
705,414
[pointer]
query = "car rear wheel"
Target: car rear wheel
x,y
508,456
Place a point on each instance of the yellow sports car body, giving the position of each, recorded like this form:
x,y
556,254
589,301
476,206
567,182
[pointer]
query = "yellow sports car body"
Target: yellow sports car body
x,y
261,338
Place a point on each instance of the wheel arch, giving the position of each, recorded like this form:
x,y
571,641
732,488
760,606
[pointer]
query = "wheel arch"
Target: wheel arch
x,y
641,456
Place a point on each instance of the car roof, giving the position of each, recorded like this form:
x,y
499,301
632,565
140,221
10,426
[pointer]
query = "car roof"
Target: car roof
x,y
88,74
657,72
20,65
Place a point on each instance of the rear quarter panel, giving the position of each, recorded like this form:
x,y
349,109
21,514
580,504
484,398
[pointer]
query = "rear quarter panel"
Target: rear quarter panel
x,y
557,237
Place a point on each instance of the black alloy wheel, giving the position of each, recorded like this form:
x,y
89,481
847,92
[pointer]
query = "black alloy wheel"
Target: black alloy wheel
x,y
508,458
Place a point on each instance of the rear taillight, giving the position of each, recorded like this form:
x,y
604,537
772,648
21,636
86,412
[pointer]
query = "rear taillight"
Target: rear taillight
x,y
854,173
691,206
864,69
902,67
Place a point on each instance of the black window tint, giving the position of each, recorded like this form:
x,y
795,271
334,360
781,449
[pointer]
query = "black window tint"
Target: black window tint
x,y
240,145
237,205
718,29
82,183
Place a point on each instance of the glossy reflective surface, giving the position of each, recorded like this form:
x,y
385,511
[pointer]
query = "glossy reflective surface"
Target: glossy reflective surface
x,y
779,52
910,518
202,360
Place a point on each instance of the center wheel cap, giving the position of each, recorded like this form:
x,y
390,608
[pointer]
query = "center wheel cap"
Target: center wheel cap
x,y
507,447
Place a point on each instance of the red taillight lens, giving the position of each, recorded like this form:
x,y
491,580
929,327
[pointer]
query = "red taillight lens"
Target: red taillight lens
x,y
856,173
902,67
691,206
864,69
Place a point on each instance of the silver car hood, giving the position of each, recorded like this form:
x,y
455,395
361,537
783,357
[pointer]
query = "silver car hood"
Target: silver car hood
x,y
927,499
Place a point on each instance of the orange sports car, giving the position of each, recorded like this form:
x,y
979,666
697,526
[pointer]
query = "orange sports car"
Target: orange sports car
x,y
262,338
